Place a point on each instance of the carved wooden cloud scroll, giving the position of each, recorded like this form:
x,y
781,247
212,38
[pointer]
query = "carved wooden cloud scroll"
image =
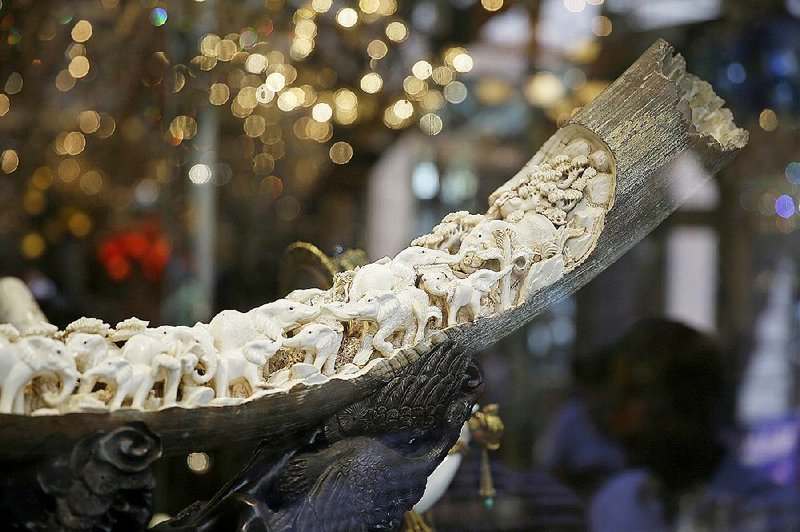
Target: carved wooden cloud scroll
x,y
597,187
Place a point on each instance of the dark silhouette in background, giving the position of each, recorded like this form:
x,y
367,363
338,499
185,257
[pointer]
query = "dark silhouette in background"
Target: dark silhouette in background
x,y
664,407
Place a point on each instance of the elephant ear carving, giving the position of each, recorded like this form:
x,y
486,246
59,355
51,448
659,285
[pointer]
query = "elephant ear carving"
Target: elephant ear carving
x,y
33,352
330,342
267,326
389,304
123,373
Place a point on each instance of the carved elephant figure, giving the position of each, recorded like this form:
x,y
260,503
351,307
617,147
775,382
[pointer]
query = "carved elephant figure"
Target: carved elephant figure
x,y
89,349
459,293
274,319
479,244
423,310
387,310
400,271
530,233
31,357
231,329
172,351
244,362
134,380
320,343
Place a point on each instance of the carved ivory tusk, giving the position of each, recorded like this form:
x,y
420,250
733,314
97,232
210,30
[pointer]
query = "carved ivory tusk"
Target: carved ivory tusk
x,y
595,188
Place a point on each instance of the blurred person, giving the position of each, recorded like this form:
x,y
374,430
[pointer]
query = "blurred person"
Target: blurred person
x,y
575,448
666,411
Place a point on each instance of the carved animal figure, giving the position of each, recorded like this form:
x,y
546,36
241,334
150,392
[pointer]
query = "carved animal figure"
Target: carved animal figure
x,y
387,310
31,357
532,231
244,362
132,380
232,329
88,349
320,343
400,271
273,319
169,351
460,293
424,311
243,346
447,235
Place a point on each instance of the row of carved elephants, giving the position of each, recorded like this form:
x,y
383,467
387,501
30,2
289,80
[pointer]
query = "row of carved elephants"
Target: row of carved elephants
x,y
469,266
197,364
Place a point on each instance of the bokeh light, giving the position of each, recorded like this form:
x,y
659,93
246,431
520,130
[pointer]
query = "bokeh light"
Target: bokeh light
x,y
341,152
9,161
601,26
200,173
81,31
544,89
576,6
218,94
793,173
32,245
371,83
768,120
403,109
198,463
377,49
736,73
79,67
91,183
347,17
321,112
422,69
321,6
784,206
397,31
455,92
431,124
89,121
14,83
158,17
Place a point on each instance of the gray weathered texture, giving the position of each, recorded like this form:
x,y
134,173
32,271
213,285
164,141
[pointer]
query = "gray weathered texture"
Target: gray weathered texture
x,y
645,121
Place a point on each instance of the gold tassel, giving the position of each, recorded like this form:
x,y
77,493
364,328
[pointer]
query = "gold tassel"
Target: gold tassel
x,y
487,429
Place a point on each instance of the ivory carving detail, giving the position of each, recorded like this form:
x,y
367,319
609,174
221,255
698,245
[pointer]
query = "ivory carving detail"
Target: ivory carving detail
x,y
540,224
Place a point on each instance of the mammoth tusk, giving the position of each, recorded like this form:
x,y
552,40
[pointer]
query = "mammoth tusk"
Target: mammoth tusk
x,y
614,158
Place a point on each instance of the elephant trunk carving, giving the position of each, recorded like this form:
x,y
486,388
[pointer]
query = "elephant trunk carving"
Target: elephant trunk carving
x,y
209,362
69,379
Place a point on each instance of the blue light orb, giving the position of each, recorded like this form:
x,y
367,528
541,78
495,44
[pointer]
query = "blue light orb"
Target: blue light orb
x,y
782,62
158,17
784,206
736,73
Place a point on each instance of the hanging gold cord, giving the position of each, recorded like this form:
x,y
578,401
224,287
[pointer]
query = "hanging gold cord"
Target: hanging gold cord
x,y
487,429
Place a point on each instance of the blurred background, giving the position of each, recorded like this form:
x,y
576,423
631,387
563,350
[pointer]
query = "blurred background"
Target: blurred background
x,y
157,157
